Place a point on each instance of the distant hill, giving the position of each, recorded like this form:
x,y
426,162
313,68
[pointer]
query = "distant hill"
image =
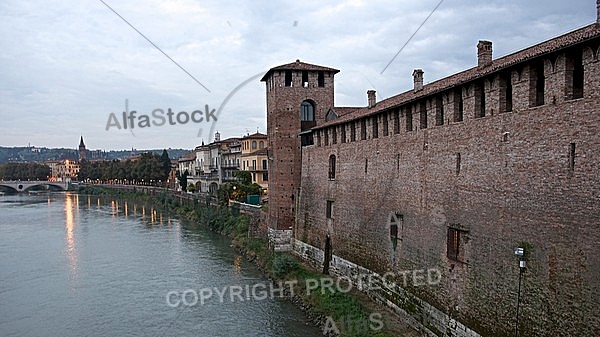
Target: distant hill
x,y
41,154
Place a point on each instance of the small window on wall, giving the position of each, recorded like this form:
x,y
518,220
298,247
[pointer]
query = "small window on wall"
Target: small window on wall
x,y
397,121
508,93
305,78
409,118
455,244
386,124
288,78
480,99
537,82
375,121
363,129
321,79
422,115
439,111
332,167
575,74
459,105
329,210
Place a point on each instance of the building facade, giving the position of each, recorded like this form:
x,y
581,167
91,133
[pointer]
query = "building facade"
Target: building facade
x,y
254,158
187,163
63,170
216,162
452,176
230,160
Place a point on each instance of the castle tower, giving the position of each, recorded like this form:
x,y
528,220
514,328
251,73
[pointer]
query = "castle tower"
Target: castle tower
x,y
82,151
298,98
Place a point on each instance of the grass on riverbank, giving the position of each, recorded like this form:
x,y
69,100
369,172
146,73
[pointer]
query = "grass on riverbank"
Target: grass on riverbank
x,y
321,303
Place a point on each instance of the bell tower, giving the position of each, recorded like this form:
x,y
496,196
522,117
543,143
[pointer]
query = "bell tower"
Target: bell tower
x,y
298,98
82,151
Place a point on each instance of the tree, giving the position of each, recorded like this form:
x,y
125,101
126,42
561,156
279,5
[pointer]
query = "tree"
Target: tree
x,y
85,170
166,164
244,186
25,171
191,188
183,180
224,193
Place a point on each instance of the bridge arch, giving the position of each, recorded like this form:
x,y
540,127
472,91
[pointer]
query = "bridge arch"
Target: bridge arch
x,y
24,186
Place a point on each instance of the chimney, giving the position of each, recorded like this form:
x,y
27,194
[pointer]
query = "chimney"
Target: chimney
x,y
371,98
484,53
418,79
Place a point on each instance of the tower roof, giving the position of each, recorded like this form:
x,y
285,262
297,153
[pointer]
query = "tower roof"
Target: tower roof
x,y
81,142
299,66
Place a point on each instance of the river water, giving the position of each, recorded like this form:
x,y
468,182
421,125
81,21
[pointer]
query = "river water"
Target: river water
x,y
78,265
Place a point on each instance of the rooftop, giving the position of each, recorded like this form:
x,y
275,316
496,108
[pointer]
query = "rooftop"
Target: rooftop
x,y
299,66
256,135
547,47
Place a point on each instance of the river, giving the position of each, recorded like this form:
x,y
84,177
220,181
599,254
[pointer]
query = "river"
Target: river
x,y
78,265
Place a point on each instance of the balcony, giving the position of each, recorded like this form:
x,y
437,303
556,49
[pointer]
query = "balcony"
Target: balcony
x,y
256,168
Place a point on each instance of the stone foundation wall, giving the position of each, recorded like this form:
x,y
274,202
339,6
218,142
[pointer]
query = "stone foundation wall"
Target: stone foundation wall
x,y
280,239
395,297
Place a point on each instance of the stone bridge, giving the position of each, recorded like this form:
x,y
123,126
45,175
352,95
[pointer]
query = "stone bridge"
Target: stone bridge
x,y
23,186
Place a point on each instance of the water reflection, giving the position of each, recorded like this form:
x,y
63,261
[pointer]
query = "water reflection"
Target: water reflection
x,y
237,265
91,277
70,249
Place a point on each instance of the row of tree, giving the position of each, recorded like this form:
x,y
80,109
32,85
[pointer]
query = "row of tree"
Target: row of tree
x,y
148,167
24,171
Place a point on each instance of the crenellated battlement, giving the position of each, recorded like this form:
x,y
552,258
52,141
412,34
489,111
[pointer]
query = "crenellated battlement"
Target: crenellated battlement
x,y
552,73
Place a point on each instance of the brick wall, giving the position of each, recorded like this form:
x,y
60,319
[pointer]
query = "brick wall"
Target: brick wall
x,y
515,186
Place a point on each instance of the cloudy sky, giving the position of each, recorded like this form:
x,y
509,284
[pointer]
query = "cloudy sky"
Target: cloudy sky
x,y
65,66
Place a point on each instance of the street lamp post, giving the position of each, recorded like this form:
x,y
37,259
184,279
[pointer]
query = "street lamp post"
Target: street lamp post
x,y
519,252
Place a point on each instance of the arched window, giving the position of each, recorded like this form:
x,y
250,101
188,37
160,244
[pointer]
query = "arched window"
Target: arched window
x,y
261,145
332,166
253,145
307,111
